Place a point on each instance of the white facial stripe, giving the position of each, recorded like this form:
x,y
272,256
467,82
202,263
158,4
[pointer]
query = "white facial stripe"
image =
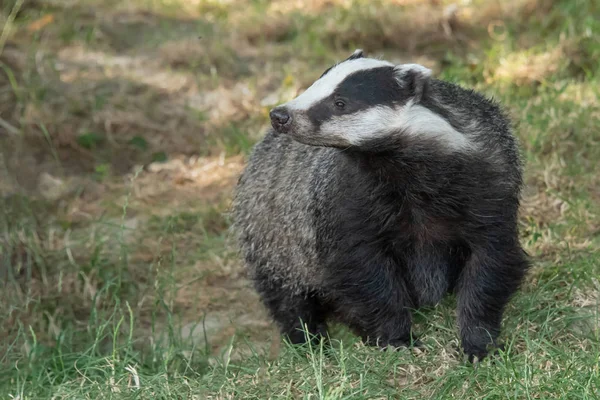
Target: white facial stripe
x,y
327,84
414,120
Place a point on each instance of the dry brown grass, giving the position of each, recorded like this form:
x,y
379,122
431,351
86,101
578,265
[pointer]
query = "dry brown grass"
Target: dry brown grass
x,y
182,182
523,68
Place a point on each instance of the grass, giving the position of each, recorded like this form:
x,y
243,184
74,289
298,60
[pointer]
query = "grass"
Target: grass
x,y
122,133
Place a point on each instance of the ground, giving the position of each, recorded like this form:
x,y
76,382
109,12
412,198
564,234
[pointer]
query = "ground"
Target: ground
x,y
124,126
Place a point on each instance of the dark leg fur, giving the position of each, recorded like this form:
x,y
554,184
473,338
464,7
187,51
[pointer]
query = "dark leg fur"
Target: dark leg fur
x,y
372,298
296,314
490,277
432,271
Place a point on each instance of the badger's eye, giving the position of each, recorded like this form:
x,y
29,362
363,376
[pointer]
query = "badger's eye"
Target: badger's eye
x,y
340,104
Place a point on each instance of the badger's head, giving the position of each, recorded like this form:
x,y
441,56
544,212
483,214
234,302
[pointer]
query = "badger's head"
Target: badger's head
x,y
363,100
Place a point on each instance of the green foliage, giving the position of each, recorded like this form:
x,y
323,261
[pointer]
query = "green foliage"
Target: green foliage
x,y
90,140
159,156
139,142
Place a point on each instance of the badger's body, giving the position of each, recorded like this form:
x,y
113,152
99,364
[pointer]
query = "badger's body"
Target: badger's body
x,y
381,204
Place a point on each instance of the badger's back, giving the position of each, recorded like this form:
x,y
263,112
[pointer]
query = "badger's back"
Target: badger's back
x,y
272,210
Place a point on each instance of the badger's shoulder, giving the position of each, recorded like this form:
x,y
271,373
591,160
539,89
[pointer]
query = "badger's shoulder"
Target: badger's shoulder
x,y
273,208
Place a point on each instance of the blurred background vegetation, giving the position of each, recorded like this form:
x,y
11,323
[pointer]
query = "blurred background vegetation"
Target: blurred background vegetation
x,y
124,126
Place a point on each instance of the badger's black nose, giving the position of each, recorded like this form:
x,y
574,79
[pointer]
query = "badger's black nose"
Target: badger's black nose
x,y
280,119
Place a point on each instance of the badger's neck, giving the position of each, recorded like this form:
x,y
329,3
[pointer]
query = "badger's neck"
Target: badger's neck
x,y
422,175
441,102
428,122
468,112
447,118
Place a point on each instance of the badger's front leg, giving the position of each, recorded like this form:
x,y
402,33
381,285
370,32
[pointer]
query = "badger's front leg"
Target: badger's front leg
x,y
296,313
491,276
370,294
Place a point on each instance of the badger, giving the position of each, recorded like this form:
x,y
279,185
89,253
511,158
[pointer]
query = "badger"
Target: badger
x,y
378,191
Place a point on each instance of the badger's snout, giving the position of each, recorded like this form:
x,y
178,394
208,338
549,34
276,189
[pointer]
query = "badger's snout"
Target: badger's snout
x,y
281,119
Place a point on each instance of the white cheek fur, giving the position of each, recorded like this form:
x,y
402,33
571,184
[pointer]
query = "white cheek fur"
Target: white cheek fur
x,y
412,119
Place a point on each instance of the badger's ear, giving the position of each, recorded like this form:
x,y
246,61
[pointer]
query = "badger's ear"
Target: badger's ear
x,y
358,53
414,78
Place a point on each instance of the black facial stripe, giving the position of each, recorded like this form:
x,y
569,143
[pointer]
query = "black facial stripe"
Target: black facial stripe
x,y
322,111
360,90
376,86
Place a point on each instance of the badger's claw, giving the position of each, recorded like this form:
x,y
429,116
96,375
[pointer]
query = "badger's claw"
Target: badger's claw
x,y
474,356
395,344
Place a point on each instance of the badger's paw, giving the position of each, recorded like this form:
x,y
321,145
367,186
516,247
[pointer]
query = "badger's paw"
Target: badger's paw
x,y
476,355
299,336
400,343
394,344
